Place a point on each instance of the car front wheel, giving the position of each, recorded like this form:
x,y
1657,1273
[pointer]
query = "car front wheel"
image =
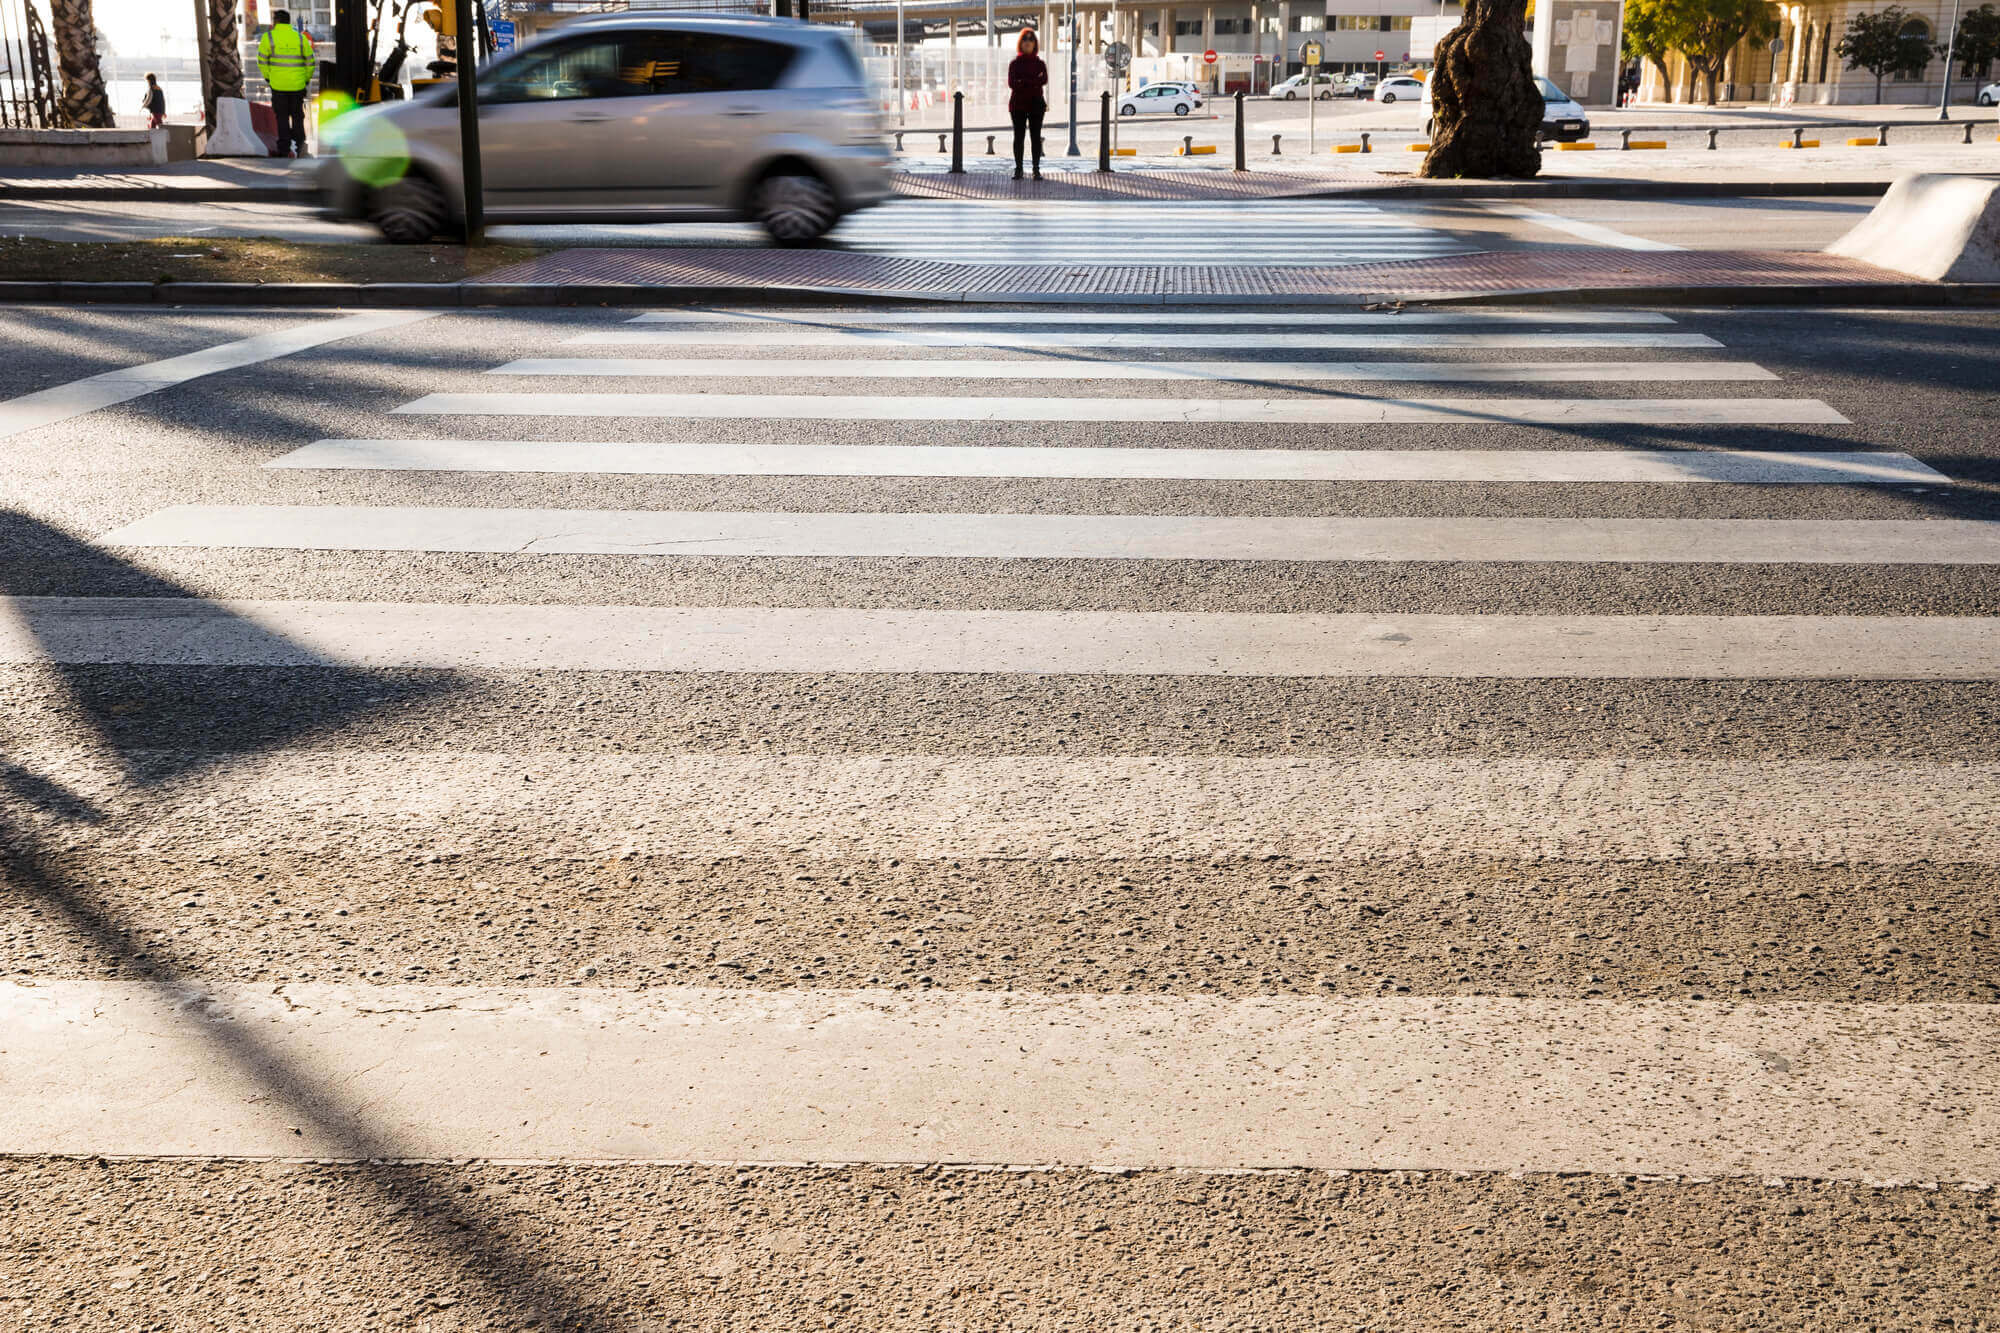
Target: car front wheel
x,y
1291,97
795,208
1128,110
410,211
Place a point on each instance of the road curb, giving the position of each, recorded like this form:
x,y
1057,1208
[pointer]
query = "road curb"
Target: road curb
x,y
1372,189
528,295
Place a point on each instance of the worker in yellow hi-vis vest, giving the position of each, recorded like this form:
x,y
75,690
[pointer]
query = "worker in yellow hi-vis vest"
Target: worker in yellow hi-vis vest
x,y
285,59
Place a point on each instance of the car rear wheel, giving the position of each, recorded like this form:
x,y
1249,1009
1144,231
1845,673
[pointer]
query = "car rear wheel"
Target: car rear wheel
x,y
1388,98
410,211
1986,99
1181,108
795,208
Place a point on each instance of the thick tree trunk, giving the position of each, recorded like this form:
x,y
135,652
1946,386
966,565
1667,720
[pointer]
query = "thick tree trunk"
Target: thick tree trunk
x,y
225,54
1486,109
84,105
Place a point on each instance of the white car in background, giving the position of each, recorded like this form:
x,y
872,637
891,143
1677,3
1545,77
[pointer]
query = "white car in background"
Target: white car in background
x,y
1292,89
1158,98
1989,95
1563,121
1398,87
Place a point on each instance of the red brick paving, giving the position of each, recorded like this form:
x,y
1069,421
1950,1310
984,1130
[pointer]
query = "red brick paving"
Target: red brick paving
x,y
1490,272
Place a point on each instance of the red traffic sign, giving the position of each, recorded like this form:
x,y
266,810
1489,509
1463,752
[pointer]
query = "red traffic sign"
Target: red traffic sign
x,y
1208,57
1379,55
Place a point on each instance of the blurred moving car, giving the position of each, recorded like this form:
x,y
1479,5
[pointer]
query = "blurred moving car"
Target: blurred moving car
x,y
1398,87
1292,89
630,117
1158,98
1562,119
1356,85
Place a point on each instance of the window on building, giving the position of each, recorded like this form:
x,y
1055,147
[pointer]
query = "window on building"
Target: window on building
x,y
1231,27
1267,23
1915,37
1187,27
1308,23
1396,23
1354,23
1825,46
1153,28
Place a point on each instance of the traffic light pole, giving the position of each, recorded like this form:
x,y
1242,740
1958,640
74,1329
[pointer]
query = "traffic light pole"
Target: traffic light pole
x,y
465,42
1074,151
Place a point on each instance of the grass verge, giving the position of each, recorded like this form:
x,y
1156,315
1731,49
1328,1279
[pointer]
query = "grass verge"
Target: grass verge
x,y
170,259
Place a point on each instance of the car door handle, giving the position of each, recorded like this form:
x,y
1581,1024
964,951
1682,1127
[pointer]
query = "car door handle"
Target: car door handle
x,y
744,111
583,118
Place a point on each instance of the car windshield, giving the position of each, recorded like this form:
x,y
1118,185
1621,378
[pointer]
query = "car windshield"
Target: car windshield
x,y
1551,93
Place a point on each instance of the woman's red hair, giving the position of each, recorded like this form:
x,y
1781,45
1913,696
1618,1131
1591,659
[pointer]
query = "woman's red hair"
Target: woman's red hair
x,y
1021,42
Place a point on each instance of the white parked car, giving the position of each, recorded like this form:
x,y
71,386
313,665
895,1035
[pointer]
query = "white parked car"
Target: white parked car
x,y
1989,95
1158,98
1399,87
1563,121
1292,89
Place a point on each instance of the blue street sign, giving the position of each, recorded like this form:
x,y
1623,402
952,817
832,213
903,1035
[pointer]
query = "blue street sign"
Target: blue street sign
x,y
503,34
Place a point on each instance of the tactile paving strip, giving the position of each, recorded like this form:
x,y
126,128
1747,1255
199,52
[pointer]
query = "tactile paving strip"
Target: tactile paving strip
x,y
1481,273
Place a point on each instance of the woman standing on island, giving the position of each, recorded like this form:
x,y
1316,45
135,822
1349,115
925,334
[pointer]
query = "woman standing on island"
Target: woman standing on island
x,y
1027,76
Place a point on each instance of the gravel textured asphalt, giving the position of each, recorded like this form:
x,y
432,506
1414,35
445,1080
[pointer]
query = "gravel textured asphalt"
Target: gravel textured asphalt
x,y
133,851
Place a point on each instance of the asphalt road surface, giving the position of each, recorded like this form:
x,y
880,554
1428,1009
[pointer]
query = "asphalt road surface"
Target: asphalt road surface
x,y
1268,231
976,818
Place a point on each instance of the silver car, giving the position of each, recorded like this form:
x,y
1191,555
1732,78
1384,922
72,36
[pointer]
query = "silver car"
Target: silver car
x,y
629,118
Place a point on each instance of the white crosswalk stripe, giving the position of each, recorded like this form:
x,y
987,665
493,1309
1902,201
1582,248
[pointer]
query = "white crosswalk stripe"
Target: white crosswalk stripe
x,y
1191,411
1265,233
708,458
1181,1079
1236,372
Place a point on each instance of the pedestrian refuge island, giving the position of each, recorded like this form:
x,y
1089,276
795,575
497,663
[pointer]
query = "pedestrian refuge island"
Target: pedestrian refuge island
x,y
1938,227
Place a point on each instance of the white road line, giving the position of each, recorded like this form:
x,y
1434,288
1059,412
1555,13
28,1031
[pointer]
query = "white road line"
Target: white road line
x,y
78,397
1035,338
191,632
1586,231
1246,372
1828,1091
1180,411
1581,466
1036,807
1064,536
1182,318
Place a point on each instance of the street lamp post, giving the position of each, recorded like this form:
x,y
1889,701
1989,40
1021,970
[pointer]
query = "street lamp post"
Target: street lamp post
x,y
1074,151
1950,49
902,97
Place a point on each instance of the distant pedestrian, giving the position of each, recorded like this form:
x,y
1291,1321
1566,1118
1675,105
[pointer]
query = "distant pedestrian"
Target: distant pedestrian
x,y
285,59
156,103
1027,76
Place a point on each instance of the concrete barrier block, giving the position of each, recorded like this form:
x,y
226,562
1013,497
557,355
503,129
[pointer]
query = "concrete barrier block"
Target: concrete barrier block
x,y
1647,143
1347,148
1944,228
1197,150
1863,143
1580,146
1420,148
1803,143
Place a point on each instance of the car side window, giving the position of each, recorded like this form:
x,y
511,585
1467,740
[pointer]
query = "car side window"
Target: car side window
x,y
711,62
570,71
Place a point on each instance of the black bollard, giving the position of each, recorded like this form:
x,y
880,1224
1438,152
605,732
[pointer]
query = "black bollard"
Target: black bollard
x,y
1240,164
958,134
1711,139
1104,132
1364,144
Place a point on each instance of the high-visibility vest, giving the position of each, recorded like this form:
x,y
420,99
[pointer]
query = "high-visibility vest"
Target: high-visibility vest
x,y
285,59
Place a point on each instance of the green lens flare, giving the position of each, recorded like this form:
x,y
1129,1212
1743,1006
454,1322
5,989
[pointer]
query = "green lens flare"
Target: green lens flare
x,y
375,152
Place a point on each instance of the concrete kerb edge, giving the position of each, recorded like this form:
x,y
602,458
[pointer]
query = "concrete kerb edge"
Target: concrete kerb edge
x,y
159,194
552,295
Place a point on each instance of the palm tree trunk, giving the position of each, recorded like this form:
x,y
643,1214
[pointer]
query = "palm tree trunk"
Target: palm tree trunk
x,y
1487,109
84,105
225,54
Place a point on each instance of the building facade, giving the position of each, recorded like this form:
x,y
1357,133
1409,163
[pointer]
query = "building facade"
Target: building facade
x,y
1805,70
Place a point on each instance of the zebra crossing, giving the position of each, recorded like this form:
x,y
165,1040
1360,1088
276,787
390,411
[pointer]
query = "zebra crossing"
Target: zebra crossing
x,y
798,1074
